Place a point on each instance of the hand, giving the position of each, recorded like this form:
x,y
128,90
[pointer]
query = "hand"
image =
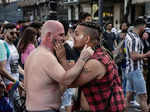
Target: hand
x,y
60,51
2,87
134,56
21,85
86,53
148,54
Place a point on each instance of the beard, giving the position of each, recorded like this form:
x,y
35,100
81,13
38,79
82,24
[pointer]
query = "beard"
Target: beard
x,y
10,40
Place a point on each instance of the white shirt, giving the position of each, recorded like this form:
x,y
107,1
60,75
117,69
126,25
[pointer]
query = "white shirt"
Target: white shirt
x,y
12,62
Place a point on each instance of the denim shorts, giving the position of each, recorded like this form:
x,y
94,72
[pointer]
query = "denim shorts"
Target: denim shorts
x,y
67,97
136,82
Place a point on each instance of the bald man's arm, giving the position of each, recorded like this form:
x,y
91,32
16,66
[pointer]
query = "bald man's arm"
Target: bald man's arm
x,y
93,69
57,72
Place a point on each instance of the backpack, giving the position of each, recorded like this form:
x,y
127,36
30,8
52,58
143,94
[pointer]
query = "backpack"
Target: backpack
x,y
7,50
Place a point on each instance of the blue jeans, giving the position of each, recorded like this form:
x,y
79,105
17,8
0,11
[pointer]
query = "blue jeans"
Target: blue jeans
x,y
124,81
136,82
45,111
13,95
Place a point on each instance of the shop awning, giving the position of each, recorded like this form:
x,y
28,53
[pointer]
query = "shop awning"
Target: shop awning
x,y
139,1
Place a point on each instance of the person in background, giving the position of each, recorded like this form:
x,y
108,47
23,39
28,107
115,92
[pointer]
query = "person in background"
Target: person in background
x,y
9,65
134,65
123,28
37,26
146,42
85,17
120,58
109,38
27,43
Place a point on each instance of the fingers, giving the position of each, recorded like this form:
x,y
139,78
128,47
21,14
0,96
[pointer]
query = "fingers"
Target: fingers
x,y
58,45
86,53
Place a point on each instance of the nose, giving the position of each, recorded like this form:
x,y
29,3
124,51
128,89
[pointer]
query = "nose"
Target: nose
x,y
15,35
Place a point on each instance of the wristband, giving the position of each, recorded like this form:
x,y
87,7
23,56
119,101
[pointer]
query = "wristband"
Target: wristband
x,y
12,86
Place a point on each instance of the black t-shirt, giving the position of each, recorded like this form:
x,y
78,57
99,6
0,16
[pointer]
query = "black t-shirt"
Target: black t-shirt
x,y
71,53
109,40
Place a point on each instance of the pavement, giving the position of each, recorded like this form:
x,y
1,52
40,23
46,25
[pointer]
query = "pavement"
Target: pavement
x,y
134,109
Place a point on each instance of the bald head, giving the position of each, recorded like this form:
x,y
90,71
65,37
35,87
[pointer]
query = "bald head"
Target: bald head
x,y
52,31
51,26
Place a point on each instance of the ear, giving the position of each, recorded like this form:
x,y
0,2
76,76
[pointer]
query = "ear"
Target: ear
x,y
88,39
48,36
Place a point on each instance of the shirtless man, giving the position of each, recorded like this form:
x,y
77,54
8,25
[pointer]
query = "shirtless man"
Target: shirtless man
x,y
99,81
43,73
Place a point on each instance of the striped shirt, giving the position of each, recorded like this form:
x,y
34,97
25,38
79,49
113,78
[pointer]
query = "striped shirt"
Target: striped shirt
x,y
133,43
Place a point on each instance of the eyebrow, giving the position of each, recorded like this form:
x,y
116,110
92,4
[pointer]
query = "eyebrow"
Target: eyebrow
x,y
62,34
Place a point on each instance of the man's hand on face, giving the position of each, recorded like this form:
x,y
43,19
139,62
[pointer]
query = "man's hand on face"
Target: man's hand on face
x,y
60,51
86,53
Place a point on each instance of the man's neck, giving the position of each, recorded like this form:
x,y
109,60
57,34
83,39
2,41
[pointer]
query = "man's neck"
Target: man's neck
x,y
136,31
108,31
47,48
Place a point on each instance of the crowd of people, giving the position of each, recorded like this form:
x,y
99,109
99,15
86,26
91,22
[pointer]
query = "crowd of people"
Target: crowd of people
x,y
59,67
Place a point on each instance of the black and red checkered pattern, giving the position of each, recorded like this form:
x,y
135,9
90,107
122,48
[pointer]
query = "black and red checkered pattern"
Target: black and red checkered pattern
x,y
106,94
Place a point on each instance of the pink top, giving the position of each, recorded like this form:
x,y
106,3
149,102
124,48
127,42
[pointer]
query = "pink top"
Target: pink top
x,y
27,52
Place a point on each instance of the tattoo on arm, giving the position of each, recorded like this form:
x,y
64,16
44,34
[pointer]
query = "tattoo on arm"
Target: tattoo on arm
x,y
85,70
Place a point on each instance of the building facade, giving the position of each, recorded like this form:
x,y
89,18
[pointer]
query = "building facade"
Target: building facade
x,y
112,10
42,9
10,12
137,8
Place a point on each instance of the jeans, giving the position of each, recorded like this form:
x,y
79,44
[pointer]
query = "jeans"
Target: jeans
x,y
124,81
45,111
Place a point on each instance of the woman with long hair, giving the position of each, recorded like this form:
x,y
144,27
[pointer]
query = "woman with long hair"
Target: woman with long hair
x,y
27,43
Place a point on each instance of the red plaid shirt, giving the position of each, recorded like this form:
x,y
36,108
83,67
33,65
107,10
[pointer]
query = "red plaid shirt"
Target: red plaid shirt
x,y
106,94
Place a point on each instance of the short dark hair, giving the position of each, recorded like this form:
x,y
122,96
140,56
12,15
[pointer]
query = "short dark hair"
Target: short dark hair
x,y
125,23
139,21
36,25
93,29
107,23
9,26
83,15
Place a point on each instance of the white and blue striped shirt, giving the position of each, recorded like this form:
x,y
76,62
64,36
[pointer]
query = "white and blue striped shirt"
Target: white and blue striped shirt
x,y
133,43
